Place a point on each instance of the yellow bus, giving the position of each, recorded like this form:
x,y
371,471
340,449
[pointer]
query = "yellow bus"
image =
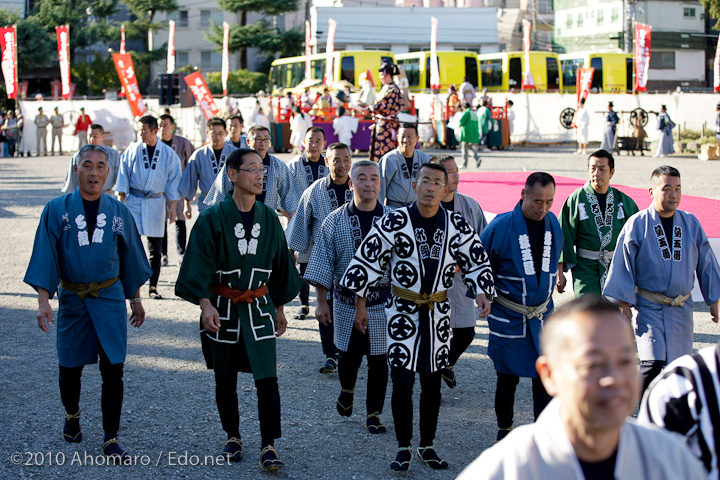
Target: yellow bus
x,y
613,71
503,71
453,66
287,73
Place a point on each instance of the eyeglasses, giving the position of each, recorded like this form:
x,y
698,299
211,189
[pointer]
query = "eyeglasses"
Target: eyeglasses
x,y
427,183
251,171
260,140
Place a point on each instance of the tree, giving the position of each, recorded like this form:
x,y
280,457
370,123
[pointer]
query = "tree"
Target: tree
x,y
239,82
243,36
35,47
713,6
144,11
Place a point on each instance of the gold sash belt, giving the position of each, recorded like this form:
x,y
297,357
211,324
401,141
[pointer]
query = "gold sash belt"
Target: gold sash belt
x,y
662,299
420,299
85,289
527,310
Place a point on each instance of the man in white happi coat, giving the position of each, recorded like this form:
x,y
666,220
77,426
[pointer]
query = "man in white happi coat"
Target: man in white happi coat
x,y
659,252
399,167
204,166
463,316
322,197
589,365
184,149
279,191
306,169
96,136
340,236
421,246
149,174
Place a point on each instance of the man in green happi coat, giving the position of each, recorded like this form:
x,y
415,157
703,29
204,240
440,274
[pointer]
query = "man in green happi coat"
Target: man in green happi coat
x,y
591,220
238,269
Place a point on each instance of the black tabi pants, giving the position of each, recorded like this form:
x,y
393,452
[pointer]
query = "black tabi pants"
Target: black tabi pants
x,y
460,341
505,398
112,392
649,369
349,363
155,249
305,287
268,397
327,332
403,381
180,238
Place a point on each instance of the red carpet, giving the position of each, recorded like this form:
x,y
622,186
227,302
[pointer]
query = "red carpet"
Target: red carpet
x,y
499,192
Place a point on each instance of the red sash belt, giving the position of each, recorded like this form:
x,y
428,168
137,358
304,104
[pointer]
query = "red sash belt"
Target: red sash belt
x,y
236,296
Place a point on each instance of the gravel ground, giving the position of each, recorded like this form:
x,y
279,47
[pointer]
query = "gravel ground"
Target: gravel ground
x,y
170,421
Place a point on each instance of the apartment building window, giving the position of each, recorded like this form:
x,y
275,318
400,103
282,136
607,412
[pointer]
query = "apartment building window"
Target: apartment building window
x,y
662,60
599,17
206,16
210,61
569,22
180,17
615,15
688,12
580,19
181,59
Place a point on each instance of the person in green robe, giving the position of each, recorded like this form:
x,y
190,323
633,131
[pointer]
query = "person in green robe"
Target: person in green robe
x,y
591,220
238,269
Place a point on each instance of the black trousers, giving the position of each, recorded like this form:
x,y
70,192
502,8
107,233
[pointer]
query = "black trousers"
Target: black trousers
x,y
649,369
112,392
403,381
327,333
460,341
155,249
268,404
305,287
505,398
180,238
349,363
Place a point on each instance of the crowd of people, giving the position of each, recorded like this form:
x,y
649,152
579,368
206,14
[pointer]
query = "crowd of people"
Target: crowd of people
x,y
403,265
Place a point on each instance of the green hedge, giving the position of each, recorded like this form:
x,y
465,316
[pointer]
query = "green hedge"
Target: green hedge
x,y
239,82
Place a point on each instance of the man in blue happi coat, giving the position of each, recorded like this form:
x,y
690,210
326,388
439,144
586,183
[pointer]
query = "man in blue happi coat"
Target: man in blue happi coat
x,y
88,245
524,248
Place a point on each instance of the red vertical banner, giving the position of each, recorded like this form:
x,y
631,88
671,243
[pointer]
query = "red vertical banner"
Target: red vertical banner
x,y
122,38
308,51
202,94
225,57
642,56
584,81
171,47
8,42
63,42
329,50
528,82
434,68
126,73
716,67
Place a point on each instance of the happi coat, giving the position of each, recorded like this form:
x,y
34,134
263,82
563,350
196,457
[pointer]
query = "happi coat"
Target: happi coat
x,y
584,226
64,250
146,182
315,205
340,237
113,162
464,311
281,193
221,251
302,173
396,187
608,140
392,244
542,450
201,170
646,258
515,339
386,108
184,150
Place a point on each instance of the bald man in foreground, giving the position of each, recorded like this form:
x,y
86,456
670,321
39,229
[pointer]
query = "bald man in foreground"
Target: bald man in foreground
x,y
589,365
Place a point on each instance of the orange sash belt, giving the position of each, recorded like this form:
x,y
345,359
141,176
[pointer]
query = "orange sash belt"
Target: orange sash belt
x,y
236,296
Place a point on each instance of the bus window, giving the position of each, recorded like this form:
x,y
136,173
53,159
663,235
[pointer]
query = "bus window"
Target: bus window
x,y
515,73
411,67
347,69
471,72
274,75
553,73
427,72
569,71
629,71
317,67
491,73
597,83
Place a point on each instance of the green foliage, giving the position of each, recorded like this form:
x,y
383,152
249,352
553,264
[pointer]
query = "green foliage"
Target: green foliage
x,y
713,6
35,48
261,35
689,135
239,82
84,29
104,75
269,7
